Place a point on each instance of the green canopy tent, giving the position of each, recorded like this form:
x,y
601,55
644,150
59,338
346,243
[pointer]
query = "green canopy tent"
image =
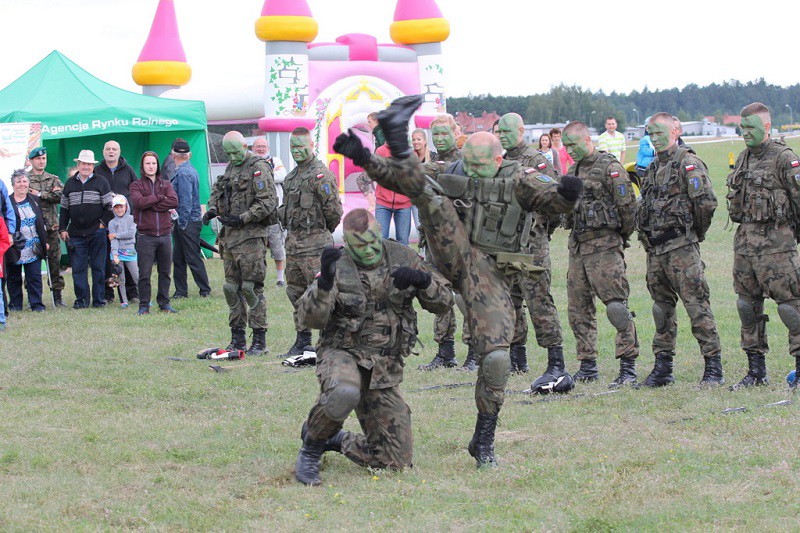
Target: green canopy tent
x,y
79,112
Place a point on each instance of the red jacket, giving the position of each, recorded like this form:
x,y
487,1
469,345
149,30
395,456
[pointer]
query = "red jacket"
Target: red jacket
x,y
5,243
384,196
151,204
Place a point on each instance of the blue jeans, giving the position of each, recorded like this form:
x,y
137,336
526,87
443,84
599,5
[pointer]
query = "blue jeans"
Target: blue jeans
x,y
402,222
89,250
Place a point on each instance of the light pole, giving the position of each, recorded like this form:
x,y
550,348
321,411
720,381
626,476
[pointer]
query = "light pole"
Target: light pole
x,y
590,119
637,116
791,117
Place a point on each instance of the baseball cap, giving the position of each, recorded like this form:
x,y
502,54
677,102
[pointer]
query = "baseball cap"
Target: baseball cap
x,y
181,147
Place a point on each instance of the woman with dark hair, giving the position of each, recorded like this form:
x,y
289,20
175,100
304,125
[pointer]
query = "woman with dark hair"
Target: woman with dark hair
x,y
152,198
546,148
31,232
564,158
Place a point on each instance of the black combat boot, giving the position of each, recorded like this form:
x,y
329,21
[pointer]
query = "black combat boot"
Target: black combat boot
x,y
58,301
627,373
445,357
301,342
588,371
238,340
394,123
712,375
662,371
306,469
756,371
519,358
793,384
554,370
471,362
481,447
259,345
332,444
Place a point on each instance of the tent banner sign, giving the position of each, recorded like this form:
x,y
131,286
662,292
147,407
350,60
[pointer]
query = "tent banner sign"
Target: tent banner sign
x,y
17,139
110,125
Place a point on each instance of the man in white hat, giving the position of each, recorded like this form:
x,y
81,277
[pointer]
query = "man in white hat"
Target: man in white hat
x,y
85,213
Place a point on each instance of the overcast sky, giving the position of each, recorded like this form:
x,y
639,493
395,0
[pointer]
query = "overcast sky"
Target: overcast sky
x,y
502,47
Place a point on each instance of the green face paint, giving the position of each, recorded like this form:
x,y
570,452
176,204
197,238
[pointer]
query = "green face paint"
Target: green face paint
x,y
508,133
443,138
660,135
300,147
365,248
235,151
576,146
753,131
479,162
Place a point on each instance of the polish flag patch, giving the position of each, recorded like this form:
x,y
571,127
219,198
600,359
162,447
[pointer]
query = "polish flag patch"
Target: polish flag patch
x,y
795,163
320,176
257,173
529,171
541,166
614,174
689,168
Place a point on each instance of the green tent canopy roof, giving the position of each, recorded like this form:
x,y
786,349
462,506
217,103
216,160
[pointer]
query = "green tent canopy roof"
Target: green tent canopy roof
x,y
70,102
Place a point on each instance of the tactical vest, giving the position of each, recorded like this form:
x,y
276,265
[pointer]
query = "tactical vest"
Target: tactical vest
x,y
666,205
388,326
488,207
756,193
596,213
303,209
240,191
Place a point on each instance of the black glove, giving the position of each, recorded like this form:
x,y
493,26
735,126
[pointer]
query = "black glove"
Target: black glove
x,y
210,214
233,221
570,187
394,123
327,269
349,145
405,277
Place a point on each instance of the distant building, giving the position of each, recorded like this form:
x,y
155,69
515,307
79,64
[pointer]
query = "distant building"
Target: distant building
x,y
698,128
726,119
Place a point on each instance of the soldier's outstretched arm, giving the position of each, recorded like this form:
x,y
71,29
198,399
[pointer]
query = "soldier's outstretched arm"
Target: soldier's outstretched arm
x,y
541,193
315,306
438,297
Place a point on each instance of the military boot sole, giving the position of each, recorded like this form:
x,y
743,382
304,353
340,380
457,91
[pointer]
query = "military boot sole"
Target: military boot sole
x,y
749,381
618,383
712,382
652,384
255,351
585,377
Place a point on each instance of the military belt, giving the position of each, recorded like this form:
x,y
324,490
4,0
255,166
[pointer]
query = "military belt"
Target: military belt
x,y
589,235
667,236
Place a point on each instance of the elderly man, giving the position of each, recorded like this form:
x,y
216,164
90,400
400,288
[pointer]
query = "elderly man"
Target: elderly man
x,y
186,234
673,217
47,187
244,200
85,213
479,259
275,235
361,368
310,212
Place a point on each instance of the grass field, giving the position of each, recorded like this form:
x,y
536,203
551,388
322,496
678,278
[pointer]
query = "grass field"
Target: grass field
x,y
100,430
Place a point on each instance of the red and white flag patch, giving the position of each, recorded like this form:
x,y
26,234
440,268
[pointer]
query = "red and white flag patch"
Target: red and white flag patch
x,y
541,166
529,171
257,173
795,163
614,174
320,176
689,168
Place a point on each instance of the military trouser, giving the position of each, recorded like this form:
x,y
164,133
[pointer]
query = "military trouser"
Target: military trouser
x,y
600,274
680,274
300,272
54,260
775,276
384,416
244,263
541,308
474,275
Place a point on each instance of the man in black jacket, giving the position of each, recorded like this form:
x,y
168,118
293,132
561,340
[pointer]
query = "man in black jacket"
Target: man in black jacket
x,y
85,213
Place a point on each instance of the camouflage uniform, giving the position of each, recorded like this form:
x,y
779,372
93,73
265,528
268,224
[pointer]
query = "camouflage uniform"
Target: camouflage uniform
x,y
368,327
764,198
49,187
476,274
247,190
603,220
536,293
310,212
675,212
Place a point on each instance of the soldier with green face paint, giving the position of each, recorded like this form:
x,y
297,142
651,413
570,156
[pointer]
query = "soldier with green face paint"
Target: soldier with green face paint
x,y
362,301
310,212
536,293
245,202
478,225
673,217
764,199
601,225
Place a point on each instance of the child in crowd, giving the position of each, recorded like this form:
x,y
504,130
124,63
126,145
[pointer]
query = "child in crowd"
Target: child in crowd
x,y
122,234
5,244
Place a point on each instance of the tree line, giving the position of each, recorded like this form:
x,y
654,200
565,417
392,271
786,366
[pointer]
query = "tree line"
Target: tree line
x,y
566,103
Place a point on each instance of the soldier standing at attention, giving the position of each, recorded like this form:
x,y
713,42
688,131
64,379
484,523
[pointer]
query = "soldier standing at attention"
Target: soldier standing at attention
x,y
674,215
541,306
47,187
477,258
601,225
764,198
362,302
310,212
244,200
